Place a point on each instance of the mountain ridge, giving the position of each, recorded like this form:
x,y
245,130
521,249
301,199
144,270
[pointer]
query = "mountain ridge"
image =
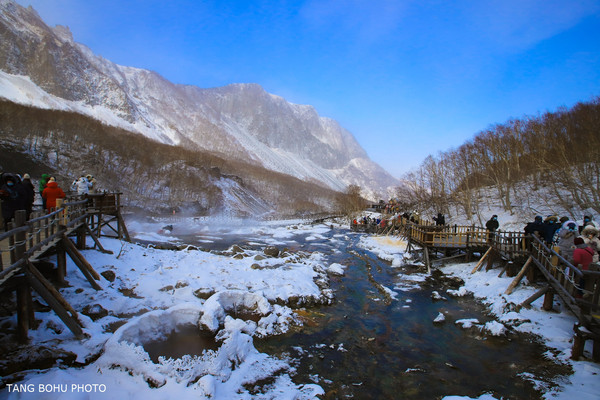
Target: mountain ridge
x,y
240,120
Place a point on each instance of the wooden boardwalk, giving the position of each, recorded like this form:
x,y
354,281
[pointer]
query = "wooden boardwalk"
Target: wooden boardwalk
x,y
579,290
27,242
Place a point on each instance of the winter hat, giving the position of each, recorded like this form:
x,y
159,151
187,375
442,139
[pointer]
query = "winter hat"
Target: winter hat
x,y
578,241
52,180
589,230
26,176
563,219
551,218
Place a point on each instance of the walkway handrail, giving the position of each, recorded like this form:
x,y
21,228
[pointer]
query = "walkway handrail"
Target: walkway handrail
x,y
552,252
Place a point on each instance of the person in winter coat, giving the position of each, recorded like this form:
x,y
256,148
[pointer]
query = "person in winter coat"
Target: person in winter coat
x,y
82,186
550,227
535,227
29,194
587,220
12,198
582,258
492,225
566,238
42,185
92,182
440,220
589,234
51,193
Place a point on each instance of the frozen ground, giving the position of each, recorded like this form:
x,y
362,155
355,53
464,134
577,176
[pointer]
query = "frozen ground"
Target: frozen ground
x,y
155,292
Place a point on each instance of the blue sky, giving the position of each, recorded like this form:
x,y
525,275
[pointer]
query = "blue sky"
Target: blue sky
x,y
406,78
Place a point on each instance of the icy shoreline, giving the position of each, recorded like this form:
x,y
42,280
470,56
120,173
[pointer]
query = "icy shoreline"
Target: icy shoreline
x,y
555,328
153,292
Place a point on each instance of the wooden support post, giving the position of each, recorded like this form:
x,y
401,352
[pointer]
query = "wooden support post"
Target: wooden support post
x,y
578,345
23,305
596,351
61,259
548,300
519,276
490,261
96,241
61,263
80,238
506,266
53,298
480,263
86,268
33,272
531,274
427,263
535,296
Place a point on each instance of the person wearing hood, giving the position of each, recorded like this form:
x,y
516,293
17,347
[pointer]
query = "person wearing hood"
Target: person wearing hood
x,y
535,227
492,225
12,198
51,193
587,220
566,238
82,186
550,227
589,234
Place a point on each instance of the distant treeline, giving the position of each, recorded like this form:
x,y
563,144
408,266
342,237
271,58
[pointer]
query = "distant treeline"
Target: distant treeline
x,y
151,174
559,151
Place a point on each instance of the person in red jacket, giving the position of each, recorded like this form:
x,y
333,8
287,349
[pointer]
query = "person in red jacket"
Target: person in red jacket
x,y
51,193
582,258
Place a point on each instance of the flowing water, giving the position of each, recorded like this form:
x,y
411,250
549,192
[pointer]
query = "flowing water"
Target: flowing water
x,y
370,346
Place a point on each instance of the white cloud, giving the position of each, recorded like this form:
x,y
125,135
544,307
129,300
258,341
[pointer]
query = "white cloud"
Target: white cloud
x,y
519,25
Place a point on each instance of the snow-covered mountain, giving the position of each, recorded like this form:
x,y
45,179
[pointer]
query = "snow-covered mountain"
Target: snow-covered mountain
x,y
241,121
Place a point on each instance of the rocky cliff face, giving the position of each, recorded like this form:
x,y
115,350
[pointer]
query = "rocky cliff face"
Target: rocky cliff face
x,y
239,121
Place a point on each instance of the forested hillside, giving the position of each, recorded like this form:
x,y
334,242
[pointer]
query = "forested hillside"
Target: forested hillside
x,y
552,159
151,175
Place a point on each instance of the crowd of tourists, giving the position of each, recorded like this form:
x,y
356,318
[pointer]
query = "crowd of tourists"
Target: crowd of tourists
x,y
577,244
18,193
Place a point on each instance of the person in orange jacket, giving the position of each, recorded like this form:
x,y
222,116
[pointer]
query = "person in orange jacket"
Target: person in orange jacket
x,y
51,193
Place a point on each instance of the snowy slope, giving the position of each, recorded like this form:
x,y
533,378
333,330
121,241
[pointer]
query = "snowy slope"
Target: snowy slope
x,y
241,121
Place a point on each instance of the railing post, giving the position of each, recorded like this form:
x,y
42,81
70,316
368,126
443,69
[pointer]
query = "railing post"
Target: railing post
x,y
20,237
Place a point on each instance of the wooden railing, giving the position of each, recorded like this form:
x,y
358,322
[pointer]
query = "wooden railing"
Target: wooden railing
x,y
26,241
28,237
579,289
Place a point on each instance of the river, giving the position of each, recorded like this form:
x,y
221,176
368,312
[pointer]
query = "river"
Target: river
x,y
373,343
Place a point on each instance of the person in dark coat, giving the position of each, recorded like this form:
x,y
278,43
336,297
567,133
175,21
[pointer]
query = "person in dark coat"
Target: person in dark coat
x,y
440,220
29,192
492,225
551,225
11,198
536,227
